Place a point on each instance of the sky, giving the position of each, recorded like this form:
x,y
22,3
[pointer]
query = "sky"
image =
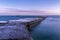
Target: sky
x,y
42,5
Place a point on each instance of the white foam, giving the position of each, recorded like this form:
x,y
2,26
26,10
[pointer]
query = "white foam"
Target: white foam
x,y
3,21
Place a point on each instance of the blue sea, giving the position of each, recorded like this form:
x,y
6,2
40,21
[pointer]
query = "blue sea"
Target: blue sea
x,y
6,18
49,29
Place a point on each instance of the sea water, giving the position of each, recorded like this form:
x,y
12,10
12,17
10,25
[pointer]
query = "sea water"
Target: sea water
x,y
49,29
6,18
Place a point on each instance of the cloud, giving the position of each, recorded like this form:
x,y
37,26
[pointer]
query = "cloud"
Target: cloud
x,y
9,11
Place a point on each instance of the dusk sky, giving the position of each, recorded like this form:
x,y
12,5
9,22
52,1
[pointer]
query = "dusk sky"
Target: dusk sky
x,y
44,5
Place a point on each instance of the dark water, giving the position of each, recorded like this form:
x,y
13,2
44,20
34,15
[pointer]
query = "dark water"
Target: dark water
x,y
5,18
49,29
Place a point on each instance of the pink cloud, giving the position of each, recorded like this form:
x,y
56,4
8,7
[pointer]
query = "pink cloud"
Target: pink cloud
x,y
24,12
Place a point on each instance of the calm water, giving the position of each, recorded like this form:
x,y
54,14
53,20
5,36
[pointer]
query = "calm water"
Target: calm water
x,y
49,29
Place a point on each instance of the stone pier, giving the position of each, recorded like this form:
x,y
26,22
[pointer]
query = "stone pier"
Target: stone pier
x,y
17,29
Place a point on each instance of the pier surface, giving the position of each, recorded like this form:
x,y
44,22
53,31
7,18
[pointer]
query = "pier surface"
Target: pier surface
x,y
17,29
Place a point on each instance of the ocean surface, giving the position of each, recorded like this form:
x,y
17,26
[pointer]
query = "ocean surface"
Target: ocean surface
x,y
49,29
6,18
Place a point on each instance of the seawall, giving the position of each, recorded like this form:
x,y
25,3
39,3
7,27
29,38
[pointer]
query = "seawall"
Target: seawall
x,y
18,29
